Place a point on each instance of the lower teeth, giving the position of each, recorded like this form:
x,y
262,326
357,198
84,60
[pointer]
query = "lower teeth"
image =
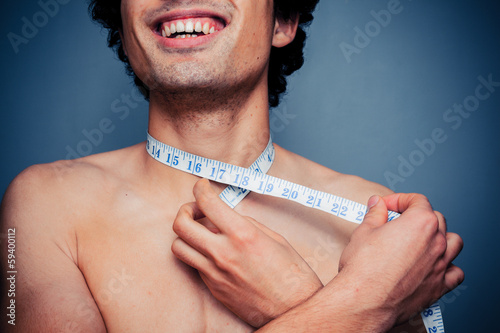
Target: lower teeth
x,y
186,36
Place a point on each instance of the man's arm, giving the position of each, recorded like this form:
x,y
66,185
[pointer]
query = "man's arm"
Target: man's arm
x,y
51,294
389,271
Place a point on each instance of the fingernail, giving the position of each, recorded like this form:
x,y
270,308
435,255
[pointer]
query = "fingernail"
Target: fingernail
x,y
373,201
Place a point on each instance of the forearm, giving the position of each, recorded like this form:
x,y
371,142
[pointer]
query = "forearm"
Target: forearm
x,y
349,312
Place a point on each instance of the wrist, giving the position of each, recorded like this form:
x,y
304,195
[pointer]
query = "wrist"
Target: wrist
x,y
368,309
297,294
341,306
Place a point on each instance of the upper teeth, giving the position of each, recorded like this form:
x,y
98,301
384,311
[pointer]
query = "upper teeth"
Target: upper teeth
x,y
188,26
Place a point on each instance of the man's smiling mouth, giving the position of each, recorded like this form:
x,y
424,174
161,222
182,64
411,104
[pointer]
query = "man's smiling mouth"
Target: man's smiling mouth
x,y
190,27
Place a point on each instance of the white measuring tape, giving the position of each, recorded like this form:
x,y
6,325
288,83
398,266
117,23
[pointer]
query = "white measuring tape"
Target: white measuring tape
x,y
242,181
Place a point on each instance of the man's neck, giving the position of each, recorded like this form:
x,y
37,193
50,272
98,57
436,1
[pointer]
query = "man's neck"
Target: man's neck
x,y
232,131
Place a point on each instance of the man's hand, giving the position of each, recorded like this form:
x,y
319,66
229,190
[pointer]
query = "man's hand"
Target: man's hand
x,y
406,264
252,270
388,272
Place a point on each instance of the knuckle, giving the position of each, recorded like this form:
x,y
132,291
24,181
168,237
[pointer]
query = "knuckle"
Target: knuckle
x,y
429,221
419,197
439,268
440,245
246,237
223,260
180,223
439,215
421,201
218,284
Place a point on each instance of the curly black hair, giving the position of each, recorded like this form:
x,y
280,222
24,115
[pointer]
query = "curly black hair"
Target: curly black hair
x,y
283,61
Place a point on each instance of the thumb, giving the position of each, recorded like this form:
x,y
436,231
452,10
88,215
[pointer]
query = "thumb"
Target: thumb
x,y
221,215
377,212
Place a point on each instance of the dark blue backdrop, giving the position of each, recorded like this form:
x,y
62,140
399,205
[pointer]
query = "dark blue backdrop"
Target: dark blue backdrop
x,y
394,99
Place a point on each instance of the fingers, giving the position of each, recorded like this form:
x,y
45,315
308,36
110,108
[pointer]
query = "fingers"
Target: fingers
x,y
453,275
452,278
377,212
192,210
185,253
455,246
192,232
420,215
416,203
220,214
400,202
441,221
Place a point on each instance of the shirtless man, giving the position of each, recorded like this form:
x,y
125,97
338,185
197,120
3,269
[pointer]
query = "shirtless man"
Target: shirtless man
x,y
96,236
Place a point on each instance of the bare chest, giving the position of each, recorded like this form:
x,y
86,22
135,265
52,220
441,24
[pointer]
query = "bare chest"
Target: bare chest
x,y
139,286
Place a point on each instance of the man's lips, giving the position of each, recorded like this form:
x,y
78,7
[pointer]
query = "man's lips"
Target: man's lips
x,y
190,27
189,24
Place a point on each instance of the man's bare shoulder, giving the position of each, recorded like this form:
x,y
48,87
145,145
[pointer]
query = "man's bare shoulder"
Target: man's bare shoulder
x,y
44,205
306,172
68,185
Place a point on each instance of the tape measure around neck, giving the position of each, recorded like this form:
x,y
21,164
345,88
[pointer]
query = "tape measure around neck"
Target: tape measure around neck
x,y
257,181
241,181
232,195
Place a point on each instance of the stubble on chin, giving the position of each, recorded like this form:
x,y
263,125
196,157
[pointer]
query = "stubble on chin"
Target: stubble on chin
x,y
196,86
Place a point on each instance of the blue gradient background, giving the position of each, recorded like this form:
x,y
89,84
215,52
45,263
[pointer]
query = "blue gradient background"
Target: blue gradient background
x,y
353,117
